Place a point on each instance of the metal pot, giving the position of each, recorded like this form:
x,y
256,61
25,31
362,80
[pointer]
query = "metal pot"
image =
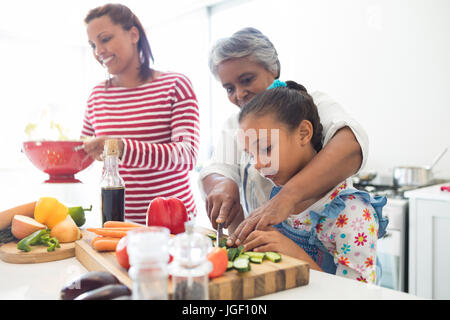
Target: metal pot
x,y
415,176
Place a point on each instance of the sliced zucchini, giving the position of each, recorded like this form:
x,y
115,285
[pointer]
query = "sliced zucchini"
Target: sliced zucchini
x,y
240,250
230,265
223,242
232,253
243,256
212,235
256,260
242,265
259,255
273,256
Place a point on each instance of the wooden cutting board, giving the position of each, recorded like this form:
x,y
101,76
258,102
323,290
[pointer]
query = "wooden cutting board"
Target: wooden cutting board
x,y
265,278
9,253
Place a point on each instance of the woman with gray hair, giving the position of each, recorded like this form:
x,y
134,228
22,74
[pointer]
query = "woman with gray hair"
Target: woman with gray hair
x,y
246,64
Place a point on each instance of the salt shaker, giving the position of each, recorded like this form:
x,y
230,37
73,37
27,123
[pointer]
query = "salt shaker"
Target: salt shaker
x,y
190,266
149,256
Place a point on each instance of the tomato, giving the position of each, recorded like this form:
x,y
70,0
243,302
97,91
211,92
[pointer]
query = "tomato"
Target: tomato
x,y
219,259
122,254
167,212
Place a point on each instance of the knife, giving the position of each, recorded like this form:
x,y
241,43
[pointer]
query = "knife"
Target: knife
x,y
219,234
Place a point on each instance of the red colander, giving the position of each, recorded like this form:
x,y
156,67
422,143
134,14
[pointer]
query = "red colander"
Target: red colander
x,y
61,160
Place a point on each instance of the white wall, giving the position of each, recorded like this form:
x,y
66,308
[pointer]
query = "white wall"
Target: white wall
x,y
386,61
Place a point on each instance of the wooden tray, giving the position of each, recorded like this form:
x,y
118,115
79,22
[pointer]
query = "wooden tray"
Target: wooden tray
x,y
9,253
265,278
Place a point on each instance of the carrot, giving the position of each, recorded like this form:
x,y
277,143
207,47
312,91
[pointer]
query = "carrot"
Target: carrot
x,y
6,216
119,229
102,238
108,233
121,224
106,245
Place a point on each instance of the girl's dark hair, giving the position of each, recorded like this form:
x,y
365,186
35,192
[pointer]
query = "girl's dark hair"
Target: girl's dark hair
x,y
122,15
290,105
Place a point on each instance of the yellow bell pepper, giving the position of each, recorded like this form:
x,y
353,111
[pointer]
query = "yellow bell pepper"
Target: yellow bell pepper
x,y
50,211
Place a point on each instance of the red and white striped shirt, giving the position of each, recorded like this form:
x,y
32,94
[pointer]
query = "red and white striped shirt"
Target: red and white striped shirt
x,y
159,125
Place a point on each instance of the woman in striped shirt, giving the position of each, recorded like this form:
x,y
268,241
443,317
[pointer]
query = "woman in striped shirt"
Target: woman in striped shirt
x,y
154,114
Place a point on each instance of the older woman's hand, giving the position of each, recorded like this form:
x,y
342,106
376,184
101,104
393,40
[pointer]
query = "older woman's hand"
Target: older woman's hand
x,y
274,211
223,201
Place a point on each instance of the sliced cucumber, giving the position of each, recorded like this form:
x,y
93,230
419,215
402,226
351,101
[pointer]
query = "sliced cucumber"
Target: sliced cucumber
x,y
230,265
240,250
223,242
212,235
273,256
256,260
243,256
259,255
242,264
232,253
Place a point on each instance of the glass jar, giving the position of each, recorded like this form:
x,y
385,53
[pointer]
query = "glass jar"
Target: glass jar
x,y
112,184
149,256
190,267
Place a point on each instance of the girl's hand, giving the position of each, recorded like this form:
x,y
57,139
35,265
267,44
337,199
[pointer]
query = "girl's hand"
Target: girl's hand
x,y
271,239
272,212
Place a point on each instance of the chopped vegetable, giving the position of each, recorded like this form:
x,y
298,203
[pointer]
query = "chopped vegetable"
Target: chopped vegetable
x,y
212,235
36,238
273,256
256,260
106,244
6,216
108,232
121,224
259,255
219,261
242,264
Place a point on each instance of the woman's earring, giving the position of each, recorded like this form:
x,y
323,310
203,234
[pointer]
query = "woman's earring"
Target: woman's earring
x,y
141,57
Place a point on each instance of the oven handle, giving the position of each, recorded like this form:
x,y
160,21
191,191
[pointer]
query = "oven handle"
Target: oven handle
x,y
387,235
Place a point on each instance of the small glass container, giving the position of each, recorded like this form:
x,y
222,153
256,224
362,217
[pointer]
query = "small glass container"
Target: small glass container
x,y
190,267
112,184
149,257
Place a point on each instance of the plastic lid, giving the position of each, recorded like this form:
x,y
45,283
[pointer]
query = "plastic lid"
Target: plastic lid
x,y
148,245
190,248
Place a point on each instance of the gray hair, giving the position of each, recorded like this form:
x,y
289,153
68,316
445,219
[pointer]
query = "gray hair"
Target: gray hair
x,y
247,42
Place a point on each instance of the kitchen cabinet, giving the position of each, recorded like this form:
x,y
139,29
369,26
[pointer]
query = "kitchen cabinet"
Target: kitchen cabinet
x,y
429,252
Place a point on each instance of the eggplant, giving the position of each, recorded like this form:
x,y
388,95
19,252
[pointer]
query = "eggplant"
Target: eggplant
x,y
87,282
108,292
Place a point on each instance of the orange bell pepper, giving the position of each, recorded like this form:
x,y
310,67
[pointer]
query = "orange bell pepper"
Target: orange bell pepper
x,y
50,211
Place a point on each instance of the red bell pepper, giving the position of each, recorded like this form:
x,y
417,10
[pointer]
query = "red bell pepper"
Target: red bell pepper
x,y
167,212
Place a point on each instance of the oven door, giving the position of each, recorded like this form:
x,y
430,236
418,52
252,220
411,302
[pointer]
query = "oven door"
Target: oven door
x,y
389,252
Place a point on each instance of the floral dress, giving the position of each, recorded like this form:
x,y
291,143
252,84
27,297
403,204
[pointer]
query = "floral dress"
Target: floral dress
x,y
340,232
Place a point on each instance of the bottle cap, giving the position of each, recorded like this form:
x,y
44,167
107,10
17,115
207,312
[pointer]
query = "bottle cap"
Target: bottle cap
x,y
111,147
148,245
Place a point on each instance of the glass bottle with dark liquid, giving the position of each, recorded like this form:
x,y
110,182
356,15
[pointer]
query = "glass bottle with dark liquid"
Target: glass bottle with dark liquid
x,y
112,185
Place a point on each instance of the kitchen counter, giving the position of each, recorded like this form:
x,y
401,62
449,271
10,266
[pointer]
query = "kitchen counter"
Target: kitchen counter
x,y
429,259
45,280
430,193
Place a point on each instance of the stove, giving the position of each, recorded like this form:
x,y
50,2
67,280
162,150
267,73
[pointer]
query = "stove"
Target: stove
x,y
392,249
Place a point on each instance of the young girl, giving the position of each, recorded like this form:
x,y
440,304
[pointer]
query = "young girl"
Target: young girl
x,y
337,234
